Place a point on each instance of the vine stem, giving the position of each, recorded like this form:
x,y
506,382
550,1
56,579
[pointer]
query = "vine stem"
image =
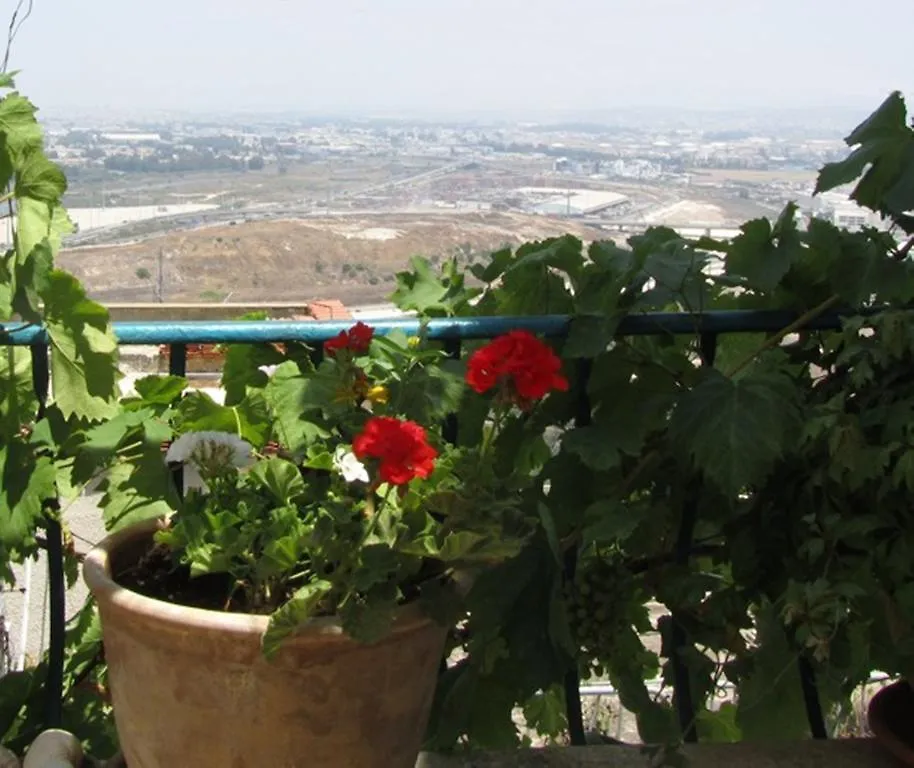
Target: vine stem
x,y
795,326
902,253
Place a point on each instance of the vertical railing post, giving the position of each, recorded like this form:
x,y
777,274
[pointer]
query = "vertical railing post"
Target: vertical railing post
x,y
57,586
177,366
449,431
450,428
683,698
572,681
811,700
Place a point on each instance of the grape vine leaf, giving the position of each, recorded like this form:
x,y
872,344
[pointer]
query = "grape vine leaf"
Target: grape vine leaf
x,y
763,254
733,429
421,290
140,490
242,368
770,696
884,154
289,617
83,350
563,253
160,390
18,124
545,712
198,412
27,482
40,179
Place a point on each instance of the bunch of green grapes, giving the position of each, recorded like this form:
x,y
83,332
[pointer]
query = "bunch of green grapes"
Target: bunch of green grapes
x,y
599,603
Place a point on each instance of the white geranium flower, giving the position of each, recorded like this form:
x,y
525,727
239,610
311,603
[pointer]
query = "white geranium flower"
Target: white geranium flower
x,y
210,452
347,464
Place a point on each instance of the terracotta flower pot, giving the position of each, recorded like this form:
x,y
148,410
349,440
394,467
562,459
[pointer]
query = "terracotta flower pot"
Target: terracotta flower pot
x,y
191,688
890,716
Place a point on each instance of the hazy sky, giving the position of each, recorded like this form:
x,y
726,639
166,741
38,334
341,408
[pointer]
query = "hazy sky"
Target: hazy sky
x,y
434,56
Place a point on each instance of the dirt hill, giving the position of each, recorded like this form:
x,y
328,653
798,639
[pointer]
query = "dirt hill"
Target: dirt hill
x,y
350,258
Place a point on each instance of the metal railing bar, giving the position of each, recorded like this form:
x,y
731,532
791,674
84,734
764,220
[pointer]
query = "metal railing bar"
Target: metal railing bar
x,y
177,366
248,332
57,586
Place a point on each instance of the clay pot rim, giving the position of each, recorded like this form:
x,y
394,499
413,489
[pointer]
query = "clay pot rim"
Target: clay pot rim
x,y
105,590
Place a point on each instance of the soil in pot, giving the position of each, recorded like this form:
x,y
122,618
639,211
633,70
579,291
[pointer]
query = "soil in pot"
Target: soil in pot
x,y
891,719
154,574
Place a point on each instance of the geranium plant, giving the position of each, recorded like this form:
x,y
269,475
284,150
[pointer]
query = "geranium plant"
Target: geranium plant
x,y
329,489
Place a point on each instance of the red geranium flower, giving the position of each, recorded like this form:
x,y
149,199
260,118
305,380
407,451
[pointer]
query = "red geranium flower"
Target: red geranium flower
x,y
357,340
400,446
520,361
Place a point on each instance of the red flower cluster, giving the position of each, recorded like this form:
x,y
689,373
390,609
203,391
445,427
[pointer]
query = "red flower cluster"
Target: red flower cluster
x,y
400,446
520,361
356,340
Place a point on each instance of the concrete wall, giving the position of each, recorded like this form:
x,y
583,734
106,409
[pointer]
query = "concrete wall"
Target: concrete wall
x,y
860,753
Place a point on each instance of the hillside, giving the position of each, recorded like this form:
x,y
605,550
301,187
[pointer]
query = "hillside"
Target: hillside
x,y
352,258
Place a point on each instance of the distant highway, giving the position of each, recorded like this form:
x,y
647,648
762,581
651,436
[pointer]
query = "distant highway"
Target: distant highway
x,y
125,233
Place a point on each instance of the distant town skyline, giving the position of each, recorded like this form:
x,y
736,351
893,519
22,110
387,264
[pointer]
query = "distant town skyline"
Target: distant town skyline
x,y
453,58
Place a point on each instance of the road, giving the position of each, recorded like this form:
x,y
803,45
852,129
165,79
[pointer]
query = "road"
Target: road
x,y
124,233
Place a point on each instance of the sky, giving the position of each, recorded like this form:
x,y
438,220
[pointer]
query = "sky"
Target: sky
x,y
461,57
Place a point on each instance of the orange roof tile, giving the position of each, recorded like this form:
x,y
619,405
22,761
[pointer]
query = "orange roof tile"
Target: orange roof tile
x,y
328,309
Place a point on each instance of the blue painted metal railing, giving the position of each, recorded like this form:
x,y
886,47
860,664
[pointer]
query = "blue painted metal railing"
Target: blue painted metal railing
x,y
451,332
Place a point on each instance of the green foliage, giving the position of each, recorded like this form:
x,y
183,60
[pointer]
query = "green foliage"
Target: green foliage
x,y
784,464
760,495
304,528
36,462
87,710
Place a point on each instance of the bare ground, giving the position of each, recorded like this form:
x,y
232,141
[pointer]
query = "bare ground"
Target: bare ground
x,y
352,258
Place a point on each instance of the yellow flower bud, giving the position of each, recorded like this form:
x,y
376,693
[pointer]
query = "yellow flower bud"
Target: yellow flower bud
x,y
414,342
378,394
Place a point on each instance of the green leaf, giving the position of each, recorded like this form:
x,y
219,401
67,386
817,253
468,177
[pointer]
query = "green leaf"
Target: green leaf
x,y
441,603
242,368
861,268
845,171
499,261
27,483
884,155
40,179
429,393
286,620
253,418
139,490
428,294
719,726
369,620
83,350
562,253
160,390
545,712
198,412
770,697
18,124
762,254
889,119
281,478
590,335
289,395
32,276
610,520
734,429
15,690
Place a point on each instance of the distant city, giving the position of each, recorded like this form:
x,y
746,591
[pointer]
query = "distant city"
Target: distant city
x,y
135,184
